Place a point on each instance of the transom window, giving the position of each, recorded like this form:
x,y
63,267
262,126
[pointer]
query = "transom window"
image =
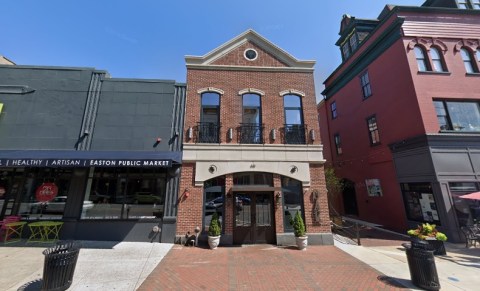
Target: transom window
x,y
467,58
366,89
333,108
458,115
373,130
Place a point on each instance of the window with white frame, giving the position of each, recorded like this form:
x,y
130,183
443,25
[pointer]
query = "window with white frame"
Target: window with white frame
x,y
437,61
469,4
422,61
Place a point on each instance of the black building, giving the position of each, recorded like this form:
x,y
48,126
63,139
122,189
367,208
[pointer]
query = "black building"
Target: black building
x,y
105,152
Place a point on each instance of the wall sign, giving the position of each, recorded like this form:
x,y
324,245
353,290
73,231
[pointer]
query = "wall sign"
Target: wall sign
x,y
374,188
46,192
65,163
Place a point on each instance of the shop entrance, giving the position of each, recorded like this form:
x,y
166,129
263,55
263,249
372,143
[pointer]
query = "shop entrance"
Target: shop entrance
x,y
254,218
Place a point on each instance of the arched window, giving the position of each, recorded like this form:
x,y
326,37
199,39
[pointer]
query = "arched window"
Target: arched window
x,y
437,61
294,128
421,59
467,58
251,127
209,125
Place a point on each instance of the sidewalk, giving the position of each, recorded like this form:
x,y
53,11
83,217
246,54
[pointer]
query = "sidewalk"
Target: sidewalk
x,y
458,270
379,265
100,265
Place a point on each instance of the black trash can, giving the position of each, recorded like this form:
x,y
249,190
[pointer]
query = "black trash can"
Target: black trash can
x,y
59,266
421,264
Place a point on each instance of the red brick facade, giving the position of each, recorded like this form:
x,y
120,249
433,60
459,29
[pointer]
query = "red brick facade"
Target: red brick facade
x,y
231,73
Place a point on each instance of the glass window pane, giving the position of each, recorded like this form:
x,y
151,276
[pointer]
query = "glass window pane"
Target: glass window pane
x,y
467,61
292,201
251,100
421,62
210,98
437,60
291,101
465,116
293,117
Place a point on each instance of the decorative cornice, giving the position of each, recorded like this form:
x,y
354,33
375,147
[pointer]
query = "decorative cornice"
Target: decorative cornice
x,y
427,43
249,68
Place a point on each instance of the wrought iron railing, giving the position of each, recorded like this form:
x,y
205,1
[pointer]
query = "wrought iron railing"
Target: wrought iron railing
x,y
294,134
208,132
251,133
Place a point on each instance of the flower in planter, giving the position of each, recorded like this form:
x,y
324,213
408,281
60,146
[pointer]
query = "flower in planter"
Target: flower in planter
x,y
426,231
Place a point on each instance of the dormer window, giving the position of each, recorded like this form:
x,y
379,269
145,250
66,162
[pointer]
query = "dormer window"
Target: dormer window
x,y
469,4
349,46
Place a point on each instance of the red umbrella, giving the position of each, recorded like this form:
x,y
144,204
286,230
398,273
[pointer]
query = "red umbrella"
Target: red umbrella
x,y
473,196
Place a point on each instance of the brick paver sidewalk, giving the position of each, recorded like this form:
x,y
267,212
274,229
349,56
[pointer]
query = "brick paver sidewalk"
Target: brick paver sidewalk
x,y
264,267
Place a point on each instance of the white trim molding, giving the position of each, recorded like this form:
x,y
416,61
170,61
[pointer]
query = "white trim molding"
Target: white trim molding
x,y
251,90
292,91
210,89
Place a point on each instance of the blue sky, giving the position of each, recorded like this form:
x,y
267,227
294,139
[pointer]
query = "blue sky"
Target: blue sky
x,y
150,38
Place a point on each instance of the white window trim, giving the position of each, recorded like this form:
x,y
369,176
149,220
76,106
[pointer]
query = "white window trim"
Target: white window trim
x,y
210,89
292,91
251,90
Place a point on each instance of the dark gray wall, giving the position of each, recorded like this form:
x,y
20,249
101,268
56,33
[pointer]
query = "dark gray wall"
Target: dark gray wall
x,y
132,114
439,159
47,118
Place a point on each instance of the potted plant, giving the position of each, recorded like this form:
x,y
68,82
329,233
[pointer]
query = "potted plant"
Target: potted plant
x,y
431,235
299,231
214,231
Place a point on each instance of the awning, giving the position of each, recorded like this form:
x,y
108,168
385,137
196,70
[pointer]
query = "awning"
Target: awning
x,y
63,158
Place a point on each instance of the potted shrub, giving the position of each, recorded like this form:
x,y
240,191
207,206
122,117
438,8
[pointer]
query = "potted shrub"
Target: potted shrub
x,y
431,235
214,231
299,231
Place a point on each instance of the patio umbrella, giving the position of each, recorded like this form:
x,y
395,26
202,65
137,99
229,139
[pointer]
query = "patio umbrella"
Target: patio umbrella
x,y
472,196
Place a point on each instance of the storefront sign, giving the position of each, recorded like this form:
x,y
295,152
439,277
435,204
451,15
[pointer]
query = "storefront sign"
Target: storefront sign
x,y
84,163
374,188
46,192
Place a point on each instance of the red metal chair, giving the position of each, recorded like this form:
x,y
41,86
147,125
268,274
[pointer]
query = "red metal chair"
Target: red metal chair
x,y
5,221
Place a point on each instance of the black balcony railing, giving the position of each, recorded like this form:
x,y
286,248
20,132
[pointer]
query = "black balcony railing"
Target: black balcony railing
x,y
251,133
208,132
294,134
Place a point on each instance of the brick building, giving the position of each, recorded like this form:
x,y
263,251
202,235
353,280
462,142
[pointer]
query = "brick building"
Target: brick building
x,y
251,148
401,115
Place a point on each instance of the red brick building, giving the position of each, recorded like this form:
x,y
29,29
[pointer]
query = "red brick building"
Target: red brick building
x,y
401,116
251,149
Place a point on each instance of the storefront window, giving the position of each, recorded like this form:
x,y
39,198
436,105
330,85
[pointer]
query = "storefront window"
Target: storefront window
x,y
292,201
43,192
466,210
214,190
125,193
420,203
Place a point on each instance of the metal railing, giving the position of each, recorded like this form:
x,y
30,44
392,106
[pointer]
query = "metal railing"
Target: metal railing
x,y
251,133
208,132
294,134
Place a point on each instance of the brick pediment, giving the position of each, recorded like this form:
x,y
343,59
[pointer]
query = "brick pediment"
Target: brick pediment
x,y
232,54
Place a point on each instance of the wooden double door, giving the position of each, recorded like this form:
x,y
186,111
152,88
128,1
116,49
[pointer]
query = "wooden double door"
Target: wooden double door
x,y
254,218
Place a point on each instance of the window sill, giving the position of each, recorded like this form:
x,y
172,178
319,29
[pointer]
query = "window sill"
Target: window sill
x,y
460,131
472,74
434,73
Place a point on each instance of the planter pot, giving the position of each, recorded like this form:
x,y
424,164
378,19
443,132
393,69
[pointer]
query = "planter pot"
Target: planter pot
x,y
213,241
302,242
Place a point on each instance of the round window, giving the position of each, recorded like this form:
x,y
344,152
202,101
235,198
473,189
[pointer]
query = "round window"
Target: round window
x,y
250,54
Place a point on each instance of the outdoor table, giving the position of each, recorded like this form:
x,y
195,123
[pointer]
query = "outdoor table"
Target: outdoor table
x,y
13,231
44,231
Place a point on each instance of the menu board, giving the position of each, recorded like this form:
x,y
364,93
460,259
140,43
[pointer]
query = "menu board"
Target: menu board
x,y
429,208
